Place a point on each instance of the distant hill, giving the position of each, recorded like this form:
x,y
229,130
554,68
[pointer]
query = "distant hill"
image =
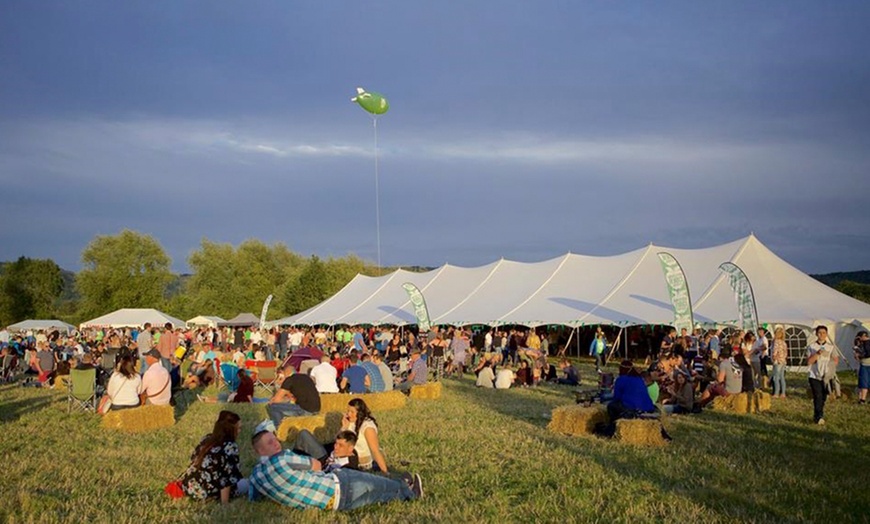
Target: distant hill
x,y
834,279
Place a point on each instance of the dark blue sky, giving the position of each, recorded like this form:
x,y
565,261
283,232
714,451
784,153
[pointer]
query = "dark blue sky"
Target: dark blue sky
x,y
516,129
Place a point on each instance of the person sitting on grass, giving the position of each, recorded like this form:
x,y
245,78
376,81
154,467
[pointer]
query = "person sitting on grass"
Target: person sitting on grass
x,y
358,418
572,377
299,481
485,375
524,374
505,377
245,391
124,388
682,399
214,473
630,395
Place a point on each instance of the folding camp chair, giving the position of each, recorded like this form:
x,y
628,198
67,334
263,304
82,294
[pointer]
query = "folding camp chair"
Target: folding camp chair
x,y
107,361
82,392
267,374
10,365
229,377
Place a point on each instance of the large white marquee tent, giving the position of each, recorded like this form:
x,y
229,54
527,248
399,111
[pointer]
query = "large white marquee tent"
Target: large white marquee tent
x,y
578,290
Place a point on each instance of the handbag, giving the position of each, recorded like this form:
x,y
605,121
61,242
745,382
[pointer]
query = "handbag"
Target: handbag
x,y
174,489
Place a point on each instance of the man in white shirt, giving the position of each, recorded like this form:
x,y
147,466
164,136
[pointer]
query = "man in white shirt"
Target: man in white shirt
x,y
295,339
819,355
504,378
325,376
156,383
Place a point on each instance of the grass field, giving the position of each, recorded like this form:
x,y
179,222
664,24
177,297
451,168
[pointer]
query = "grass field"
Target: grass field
x,y
485,456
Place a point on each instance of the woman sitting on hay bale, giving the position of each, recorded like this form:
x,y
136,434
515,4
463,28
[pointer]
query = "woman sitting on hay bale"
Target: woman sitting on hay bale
x,y
214,465
124,388
682,398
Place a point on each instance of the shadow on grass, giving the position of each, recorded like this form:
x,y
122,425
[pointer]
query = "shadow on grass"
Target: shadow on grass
x,y
756,467
12,411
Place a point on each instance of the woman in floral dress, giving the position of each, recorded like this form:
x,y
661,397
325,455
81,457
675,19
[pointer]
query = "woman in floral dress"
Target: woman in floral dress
x,y
214,465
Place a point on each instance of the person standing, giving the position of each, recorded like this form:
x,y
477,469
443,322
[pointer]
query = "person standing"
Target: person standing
x,y
144,343
597,349
819,358
780,353
862,355
166,346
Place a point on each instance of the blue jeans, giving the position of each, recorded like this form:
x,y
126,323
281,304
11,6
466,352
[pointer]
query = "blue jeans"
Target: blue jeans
x,y
278,411
779,379
359,489
143,365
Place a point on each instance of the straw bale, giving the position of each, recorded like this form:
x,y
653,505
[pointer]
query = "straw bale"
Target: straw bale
x,y
761,402
576,419
324,427
61,382
429,391
141,419
375,401
641,432
739,403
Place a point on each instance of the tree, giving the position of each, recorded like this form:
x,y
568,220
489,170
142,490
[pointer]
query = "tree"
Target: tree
x,y
855,290
227,281
29,288
128,270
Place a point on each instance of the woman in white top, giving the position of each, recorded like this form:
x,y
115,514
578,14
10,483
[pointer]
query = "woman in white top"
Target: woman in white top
x,y
359,419
124,385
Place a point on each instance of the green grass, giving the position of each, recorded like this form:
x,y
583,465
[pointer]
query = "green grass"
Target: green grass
x,y
485,456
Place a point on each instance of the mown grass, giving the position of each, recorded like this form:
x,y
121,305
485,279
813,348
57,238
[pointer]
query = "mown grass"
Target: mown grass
x,y
485,456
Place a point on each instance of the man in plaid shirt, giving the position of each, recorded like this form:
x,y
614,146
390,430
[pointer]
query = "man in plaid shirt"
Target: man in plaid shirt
x,y
298,481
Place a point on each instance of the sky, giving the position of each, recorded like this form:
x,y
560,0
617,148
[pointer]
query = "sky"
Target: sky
x,y
521,130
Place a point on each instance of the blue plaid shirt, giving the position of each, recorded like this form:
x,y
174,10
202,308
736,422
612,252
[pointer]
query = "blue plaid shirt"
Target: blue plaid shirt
x,y
377,380
287,479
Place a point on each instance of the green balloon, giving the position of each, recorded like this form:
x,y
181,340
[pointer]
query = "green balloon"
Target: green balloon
x,y
374,103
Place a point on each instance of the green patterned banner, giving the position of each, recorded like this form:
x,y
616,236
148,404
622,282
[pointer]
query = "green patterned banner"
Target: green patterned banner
x,y
745,297
678,289
420,309
265,310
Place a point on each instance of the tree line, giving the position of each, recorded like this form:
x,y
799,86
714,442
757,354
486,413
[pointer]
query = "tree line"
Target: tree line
x,y
132,270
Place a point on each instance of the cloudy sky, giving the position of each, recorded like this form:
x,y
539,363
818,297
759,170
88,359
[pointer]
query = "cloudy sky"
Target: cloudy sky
x,y
517,129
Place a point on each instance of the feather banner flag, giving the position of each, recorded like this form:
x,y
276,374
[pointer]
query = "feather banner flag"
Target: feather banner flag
x,y
678,289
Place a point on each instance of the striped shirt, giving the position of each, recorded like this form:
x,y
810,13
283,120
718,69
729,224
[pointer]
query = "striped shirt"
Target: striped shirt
x,y
377,380
287,479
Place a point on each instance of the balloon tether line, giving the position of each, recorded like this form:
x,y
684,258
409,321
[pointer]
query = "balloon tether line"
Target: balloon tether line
x,y
377,194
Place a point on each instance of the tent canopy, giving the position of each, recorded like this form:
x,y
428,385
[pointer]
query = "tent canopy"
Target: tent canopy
x,y
578,290
241,320
129,317
203,320
41,325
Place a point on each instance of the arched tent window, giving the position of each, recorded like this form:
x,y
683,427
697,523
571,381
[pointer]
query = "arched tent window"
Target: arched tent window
x,y
796,340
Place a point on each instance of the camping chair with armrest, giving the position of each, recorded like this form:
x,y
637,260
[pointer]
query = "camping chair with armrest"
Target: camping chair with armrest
x,y
82,392
267,374
229,377
108,359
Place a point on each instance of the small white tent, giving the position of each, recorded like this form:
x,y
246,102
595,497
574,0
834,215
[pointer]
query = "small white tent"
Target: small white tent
x,y
203,320
130,317
41,325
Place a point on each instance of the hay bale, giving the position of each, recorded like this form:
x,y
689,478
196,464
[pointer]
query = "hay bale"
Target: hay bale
x,y
324,427
576,419
375,401
141,419
639,432
61,382
760,402
429,391
739,403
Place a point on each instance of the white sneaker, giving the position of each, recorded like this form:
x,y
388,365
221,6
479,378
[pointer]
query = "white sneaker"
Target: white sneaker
x,y
821,422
